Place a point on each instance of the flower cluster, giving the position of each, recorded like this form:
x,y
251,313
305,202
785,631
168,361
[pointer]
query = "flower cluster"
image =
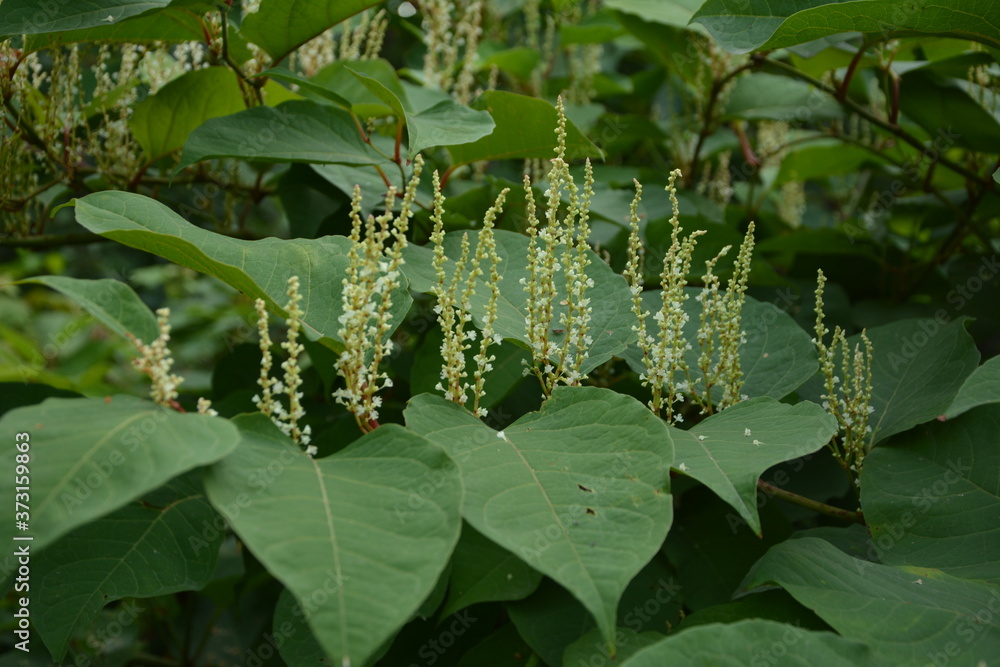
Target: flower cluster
x,y
667,371
454,305
559,360
449,31
267,401
663,354
851,403
156,361
373,273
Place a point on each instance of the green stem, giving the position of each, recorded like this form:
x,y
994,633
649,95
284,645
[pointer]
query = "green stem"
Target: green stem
x,y
810,504
232,63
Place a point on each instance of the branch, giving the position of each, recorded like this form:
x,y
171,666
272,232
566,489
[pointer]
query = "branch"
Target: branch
x,y
810,504
856,108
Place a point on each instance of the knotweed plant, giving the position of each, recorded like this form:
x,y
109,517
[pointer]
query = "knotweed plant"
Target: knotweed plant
x,y
559,245
667,373
453,308
373,273
155,360
850,403
268,400
452,33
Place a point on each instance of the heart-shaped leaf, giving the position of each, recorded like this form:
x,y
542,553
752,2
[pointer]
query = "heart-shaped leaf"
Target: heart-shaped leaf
x,y
578,490
91,456
359,538
167,542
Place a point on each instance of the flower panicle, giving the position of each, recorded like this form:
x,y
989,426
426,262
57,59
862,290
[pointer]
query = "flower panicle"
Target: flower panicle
x,y
374,272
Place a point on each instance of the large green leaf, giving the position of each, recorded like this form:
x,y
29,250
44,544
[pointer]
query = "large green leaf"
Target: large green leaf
x,y
281,26
359,538
162,122
753,642
932,496
907,615
170,25
167,542
611,320
259,269
29,17
980,388
749,25
294,131
525,128
112,302
729,451
918,367
578,490
91,456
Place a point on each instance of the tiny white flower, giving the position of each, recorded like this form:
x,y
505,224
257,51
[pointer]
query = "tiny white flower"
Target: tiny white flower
x,y
682,467
746,432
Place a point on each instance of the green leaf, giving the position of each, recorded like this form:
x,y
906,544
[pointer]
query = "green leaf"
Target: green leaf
x,y
719,453
611,320
308,87
763,96
935,102
170,25
279,26
753,642
29,17
918,367
525,128
446,122
91,456
259,269
751,25
162,122
980,388
819,159
160,545
295,131
676,13
931,496
906,615
359,537
578,490
482,571
112,302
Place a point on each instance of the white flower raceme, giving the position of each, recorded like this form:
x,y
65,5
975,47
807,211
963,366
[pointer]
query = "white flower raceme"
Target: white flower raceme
x,y
156,361
559,360
267,401
373,273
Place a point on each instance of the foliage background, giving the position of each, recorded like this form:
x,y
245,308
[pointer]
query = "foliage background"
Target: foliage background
x,y
861,137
